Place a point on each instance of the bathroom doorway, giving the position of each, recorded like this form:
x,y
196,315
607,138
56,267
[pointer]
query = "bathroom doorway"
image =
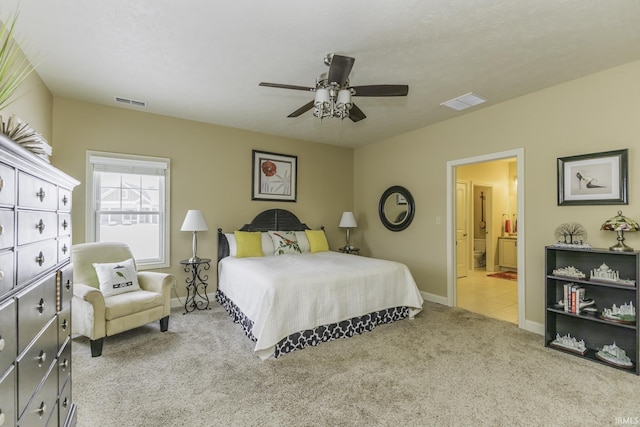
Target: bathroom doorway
x,y
493,204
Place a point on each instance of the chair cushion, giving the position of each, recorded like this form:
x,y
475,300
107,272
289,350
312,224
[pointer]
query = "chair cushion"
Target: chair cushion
x,y
117,277
121,305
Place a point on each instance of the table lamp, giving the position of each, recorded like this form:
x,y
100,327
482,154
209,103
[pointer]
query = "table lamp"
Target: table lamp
x,y
620,224
348,221
194,221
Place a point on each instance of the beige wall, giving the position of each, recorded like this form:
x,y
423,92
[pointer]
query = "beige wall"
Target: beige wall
x,y
588,115
33,103
210,170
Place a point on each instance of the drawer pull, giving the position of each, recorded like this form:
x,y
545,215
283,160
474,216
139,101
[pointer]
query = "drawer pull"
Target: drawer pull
x,y
64,365
1,344
42,409
41,305
40,194
1,274
64,248
1,229
65,324
1,413
65,224
1,186
65,200
42,358
40,259
40,226
68,284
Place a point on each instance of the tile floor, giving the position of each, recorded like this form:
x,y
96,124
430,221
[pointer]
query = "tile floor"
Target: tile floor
x,y
492,297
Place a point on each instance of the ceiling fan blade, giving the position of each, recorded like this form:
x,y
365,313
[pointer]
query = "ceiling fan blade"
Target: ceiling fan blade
x,y
339,69
356,114
381,90
283,86
306,107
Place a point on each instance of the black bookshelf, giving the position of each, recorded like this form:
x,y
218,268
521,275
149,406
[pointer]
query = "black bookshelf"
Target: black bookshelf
x,y
590,327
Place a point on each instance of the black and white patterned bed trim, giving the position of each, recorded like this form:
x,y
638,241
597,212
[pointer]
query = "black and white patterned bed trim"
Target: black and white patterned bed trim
x,y
324,333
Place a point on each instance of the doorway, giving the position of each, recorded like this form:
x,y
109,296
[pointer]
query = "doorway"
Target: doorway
x,y
504,206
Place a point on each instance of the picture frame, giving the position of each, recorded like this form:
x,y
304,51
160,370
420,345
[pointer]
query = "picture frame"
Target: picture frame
x,y
593,179
274,176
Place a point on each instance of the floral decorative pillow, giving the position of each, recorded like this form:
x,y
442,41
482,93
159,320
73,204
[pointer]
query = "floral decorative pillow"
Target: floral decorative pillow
x,y
118,277
285,242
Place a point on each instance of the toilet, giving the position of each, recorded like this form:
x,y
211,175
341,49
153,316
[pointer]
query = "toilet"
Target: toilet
x,y
479,252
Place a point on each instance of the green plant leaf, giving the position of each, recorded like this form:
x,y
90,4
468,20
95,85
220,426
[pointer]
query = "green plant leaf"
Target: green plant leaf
x,y
14,66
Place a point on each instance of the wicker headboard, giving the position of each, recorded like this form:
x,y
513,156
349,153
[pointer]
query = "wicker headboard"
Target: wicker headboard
x,y
269,220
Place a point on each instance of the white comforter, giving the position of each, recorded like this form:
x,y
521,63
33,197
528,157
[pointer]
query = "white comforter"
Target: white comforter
x,y
286,294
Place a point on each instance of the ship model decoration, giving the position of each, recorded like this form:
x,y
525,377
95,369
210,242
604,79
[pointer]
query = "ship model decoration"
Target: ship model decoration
x,y
626,313
615,356
569,271
569,343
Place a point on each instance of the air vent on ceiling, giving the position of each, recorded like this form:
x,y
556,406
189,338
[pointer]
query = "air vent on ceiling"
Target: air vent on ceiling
x,y
464,101
131,102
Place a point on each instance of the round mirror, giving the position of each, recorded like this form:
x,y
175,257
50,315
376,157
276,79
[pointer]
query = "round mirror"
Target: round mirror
x,y
396,208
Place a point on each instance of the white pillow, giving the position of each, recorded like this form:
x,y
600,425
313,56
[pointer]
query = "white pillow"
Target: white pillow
x,y
117,278
267,244
233,246
285,242
303,242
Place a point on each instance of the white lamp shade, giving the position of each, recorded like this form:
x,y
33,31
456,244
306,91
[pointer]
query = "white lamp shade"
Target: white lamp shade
x,y
194,221
344,99
348,220
321,98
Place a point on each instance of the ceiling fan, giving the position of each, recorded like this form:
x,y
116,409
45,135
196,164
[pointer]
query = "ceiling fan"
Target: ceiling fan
x,y
333,92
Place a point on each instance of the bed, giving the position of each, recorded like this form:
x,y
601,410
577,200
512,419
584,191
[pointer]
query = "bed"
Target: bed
x,y
287,301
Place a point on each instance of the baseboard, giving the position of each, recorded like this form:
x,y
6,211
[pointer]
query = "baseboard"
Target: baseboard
x,y
535,327
179,302
434,298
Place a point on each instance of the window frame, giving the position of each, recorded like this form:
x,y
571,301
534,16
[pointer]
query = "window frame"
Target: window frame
x,y
120,159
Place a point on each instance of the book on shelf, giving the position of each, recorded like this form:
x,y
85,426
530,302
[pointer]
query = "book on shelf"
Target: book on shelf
x,y
574,298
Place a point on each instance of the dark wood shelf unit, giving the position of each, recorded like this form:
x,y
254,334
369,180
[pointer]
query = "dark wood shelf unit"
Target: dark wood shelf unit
x,y
595,331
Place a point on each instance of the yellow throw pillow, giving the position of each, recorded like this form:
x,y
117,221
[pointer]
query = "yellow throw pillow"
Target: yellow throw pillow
x,y
249,244
317,240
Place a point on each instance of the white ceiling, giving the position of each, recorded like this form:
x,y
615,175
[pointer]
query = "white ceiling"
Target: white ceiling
x,y
202,60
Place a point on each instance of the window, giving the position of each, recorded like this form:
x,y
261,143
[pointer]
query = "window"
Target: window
x,y
128,201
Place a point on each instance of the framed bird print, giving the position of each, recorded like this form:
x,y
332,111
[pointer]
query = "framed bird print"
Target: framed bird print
x,y
593,179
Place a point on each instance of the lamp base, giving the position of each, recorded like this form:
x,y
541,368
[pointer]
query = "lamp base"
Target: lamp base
x,y
621,247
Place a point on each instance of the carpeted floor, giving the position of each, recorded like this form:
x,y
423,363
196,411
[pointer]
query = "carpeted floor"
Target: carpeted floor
x,y
508,275
447,367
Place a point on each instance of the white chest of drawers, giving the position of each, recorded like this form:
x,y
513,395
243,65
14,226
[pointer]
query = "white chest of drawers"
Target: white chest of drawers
x,y
35,291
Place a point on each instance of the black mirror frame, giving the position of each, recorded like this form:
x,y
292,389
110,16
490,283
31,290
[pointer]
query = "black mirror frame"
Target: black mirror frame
x,y
410,208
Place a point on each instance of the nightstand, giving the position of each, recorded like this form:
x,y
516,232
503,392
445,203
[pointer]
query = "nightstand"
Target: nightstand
x,y
350,250
197,298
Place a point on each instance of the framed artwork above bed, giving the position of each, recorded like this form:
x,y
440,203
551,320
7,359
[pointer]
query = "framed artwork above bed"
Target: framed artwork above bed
x,y
274,177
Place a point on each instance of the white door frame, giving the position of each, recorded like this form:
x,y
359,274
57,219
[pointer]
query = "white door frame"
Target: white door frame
x,y
451,221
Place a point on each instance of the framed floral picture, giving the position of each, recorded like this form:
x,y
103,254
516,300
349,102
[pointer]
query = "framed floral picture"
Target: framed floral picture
x,y
593,179
274,177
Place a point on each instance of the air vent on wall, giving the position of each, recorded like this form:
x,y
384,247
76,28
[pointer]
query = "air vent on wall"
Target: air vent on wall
x,y
464,101
131,102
